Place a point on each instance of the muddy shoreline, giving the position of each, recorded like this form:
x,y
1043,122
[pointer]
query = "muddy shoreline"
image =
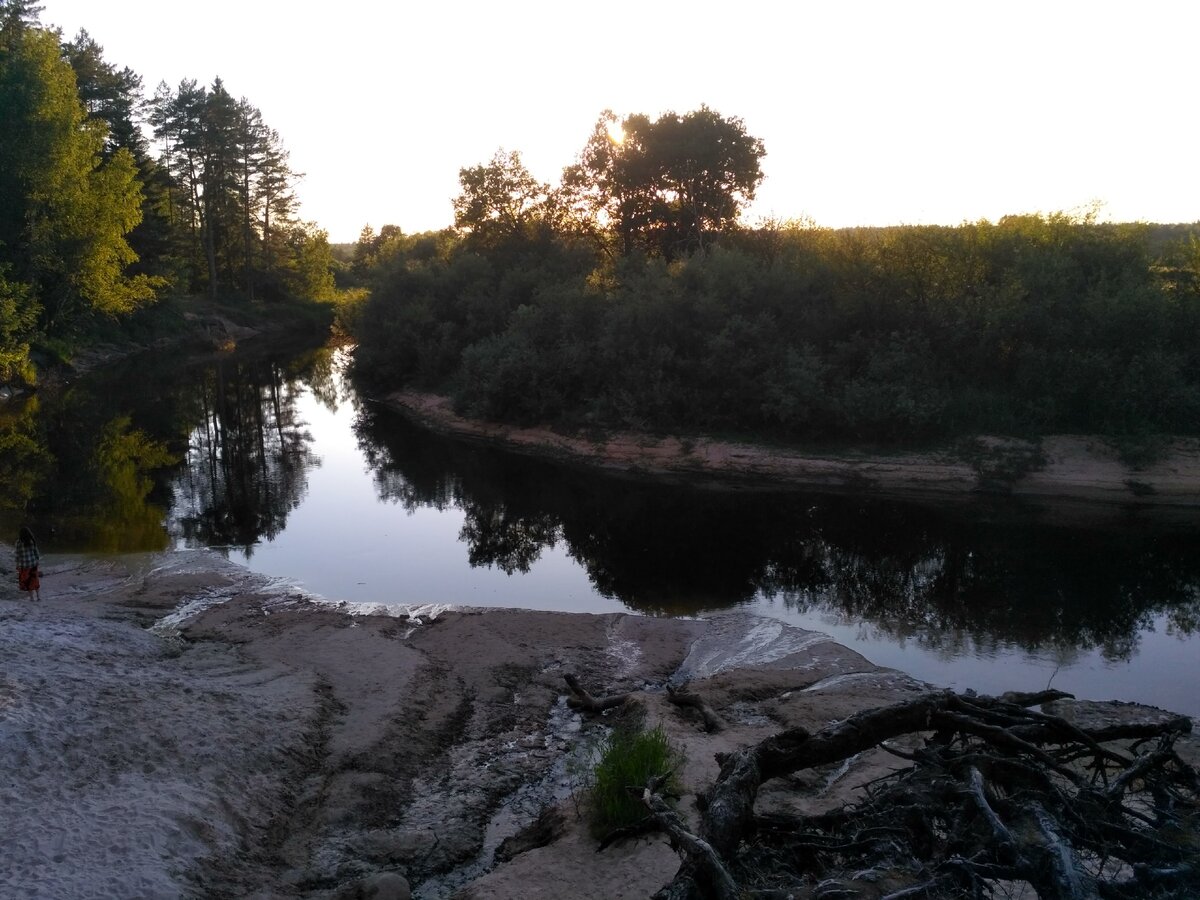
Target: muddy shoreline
x,y
1074,476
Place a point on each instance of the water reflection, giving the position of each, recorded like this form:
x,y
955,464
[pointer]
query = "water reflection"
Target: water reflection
x,y
253,453
247,462
216,448
948,581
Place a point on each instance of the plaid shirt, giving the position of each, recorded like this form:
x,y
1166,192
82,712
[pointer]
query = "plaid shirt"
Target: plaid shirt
x,y
26,555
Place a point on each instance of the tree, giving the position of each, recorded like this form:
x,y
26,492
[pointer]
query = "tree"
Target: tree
x,y
311,274
64,209
708,168
221,121
18,315
114,97
17,15
109,95
231,184
663,186
274,198
499,200
175,117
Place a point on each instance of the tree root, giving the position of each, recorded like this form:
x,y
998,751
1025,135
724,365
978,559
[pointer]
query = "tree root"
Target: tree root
x,y
999,793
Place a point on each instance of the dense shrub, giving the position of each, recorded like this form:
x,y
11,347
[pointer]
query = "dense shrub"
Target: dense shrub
x,y
1033,324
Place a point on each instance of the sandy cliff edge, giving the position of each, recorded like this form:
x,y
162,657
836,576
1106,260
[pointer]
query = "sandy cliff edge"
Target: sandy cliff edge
x,y
1063,468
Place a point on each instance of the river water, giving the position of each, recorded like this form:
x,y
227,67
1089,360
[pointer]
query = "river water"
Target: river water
x,y
276,460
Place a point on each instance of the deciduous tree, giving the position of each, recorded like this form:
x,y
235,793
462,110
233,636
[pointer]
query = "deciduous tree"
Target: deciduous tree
x,y
64,209
664,186
499,199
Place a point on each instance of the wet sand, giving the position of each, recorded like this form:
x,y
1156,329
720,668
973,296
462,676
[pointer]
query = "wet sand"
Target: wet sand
x,y
176,726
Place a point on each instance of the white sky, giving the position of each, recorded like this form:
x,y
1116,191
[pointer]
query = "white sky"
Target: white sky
x,y
872,113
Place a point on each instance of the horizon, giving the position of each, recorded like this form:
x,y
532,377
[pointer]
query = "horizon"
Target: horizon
x,y
872,115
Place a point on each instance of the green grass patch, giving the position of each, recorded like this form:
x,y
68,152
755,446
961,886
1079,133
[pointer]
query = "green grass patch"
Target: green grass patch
x,y
630,757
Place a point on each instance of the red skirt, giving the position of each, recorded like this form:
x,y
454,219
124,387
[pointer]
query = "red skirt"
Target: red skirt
x,y
28,579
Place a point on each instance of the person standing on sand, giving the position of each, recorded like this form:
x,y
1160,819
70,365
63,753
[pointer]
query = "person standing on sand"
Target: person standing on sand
x,y
27,558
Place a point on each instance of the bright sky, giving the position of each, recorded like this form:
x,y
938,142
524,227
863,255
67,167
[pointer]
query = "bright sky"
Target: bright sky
x,y
872,113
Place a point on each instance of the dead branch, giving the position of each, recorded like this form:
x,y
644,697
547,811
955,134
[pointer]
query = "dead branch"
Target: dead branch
x,y
1053,728
1004,738
731,802
1119,732
712,722
694,849
999,829
580,699
1150,881
1060,861
1136,770
648,825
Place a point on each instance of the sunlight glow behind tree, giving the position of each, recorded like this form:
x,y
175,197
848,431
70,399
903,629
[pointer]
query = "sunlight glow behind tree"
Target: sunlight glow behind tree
x,y
873,113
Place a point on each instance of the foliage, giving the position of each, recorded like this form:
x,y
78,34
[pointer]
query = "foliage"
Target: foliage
x,y
65,208
1031,325
124,457
664,185
227,191
17,318
630,757
499,200
94,228
25,461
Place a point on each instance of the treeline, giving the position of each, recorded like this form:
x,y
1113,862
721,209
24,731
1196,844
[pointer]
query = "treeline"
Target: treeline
x,y
97,223
629,297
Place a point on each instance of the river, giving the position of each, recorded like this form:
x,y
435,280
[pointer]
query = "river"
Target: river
x,y
277,461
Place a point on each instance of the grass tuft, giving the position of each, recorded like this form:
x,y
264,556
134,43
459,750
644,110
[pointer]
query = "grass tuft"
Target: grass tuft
x,y
629,758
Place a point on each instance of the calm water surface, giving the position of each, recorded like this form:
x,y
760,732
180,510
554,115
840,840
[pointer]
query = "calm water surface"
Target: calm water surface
x,y
278,462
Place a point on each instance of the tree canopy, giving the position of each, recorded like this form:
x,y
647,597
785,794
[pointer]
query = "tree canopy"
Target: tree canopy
x,y
671,314
66,209
665,185
96,223
1035,324
499,199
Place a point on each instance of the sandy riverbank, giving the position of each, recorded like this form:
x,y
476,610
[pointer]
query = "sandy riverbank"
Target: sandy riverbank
x,y
176,726
1079,475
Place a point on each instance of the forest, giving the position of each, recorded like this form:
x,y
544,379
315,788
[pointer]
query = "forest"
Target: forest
x,y
630,295
99,223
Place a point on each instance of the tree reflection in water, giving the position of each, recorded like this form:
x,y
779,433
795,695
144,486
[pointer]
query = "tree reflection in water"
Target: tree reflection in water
x,y
945,580
99,464
223,447
247,460
81,474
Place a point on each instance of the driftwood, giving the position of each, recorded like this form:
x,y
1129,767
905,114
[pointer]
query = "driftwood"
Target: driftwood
x,y
580,699
680,697
999,796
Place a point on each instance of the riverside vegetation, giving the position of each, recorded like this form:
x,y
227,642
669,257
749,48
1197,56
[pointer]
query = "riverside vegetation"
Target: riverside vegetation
x,y
628,296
